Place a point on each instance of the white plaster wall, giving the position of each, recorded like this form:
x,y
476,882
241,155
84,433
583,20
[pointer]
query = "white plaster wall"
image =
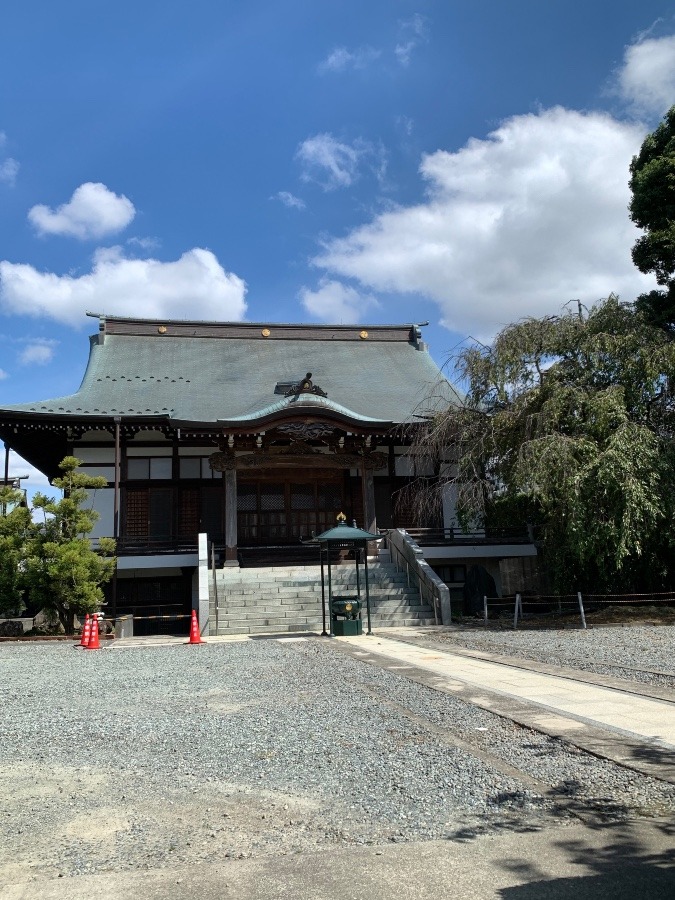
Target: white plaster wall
x,y
197,451
150,436
107,472
95,454
102,436
149,451
164,564
405,466
450,506
104,503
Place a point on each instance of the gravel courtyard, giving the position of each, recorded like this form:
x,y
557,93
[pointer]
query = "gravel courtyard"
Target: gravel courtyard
x,y
153,757
642,653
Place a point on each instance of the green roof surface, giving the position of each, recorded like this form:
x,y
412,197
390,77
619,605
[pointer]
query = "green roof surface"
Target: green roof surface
x,y
207,379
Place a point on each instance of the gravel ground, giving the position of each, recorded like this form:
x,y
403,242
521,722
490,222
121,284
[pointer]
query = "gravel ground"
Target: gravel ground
x,y
151,757
642,653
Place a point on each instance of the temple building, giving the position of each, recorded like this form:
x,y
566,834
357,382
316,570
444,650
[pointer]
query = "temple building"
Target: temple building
x,y
256,434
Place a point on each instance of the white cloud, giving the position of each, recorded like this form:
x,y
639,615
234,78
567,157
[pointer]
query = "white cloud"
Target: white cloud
x,y
9,168
513,225
194,286
406,124
18,466
647,77
145,243
340,59
336,302
37,352
289,200
329,162
3,374
413,33
92,212
333,164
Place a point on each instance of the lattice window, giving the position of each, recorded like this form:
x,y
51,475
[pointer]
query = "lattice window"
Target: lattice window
x,y
188,514
247,498
272,497
356,505
212,512
160,507
136,513
330,497
302,496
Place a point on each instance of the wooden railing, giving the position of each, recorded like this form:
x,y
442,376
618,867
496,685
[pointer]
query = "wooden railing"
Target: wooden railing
x,y
130,546
428,537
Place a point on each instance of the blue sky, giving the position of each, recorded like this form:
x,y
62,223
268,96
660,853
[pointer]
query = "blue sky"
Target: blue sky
x,y
276,160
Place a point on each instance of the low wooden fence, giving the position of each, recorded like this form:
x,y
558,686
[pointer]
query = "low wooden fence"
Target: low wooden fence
x,y
521,607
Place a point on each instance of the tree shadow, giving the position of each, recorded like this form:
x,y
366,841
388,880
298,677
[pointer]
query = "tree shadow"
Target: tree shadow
x,y
656,755
634,861
619,856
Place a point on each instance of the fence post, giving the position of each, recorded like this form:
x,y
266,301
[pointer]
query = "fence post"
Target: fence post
x,y
515,612
485,611
215,581
581,609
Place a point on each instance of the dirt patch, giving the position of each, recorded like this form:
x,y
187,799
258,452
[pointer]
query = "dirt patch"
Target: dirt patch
x,y
74,821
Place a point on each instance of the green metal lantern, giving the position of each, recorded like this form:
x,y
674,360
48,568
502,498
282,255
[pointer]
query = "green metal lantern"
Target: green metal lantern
x,y
345,612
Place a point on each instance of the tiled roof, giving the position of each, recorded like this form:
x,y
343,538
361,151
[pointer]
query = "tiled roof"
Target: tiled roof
x,y
210,375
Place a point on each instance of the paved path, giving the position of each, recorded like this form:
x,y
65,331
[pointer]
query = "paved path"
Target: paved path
x,y
642,717
612,722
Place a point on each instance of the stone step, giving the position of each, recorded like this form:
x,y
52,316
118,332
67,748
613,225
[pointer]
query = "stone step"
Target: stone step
x,y
287,599
251,602
315,596
233,583
307,597
266,575
275,586
282,612
315,627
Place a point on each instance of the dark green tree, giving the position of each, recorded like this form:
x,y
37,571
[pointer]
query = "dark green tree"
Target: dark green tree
x,y
652,208
15,528
568,423
63,572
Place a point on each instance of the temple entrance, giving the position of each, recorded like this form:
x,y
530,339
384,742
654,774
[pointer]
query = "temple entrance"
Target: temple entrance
x,y
283,509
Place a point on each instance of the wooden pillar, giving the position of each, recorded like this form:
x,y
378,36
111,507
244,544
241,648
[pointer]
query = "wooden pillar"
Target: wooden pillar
x,y
230,475
368,482
116,511
6,446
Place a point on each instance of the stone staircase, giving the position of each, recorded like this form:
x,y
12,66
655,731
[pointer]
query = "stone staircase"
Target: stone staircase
x,y
288,598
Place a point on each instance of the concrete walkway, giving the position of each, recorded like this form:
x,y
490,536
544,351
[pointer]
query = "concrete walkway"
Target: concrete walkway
x,y
642,717
616,723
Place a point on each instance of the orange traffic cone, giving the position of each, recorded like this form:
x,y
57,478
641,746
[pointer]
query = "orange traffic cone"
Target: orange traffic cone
x,y
93,640
86,632
195,637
